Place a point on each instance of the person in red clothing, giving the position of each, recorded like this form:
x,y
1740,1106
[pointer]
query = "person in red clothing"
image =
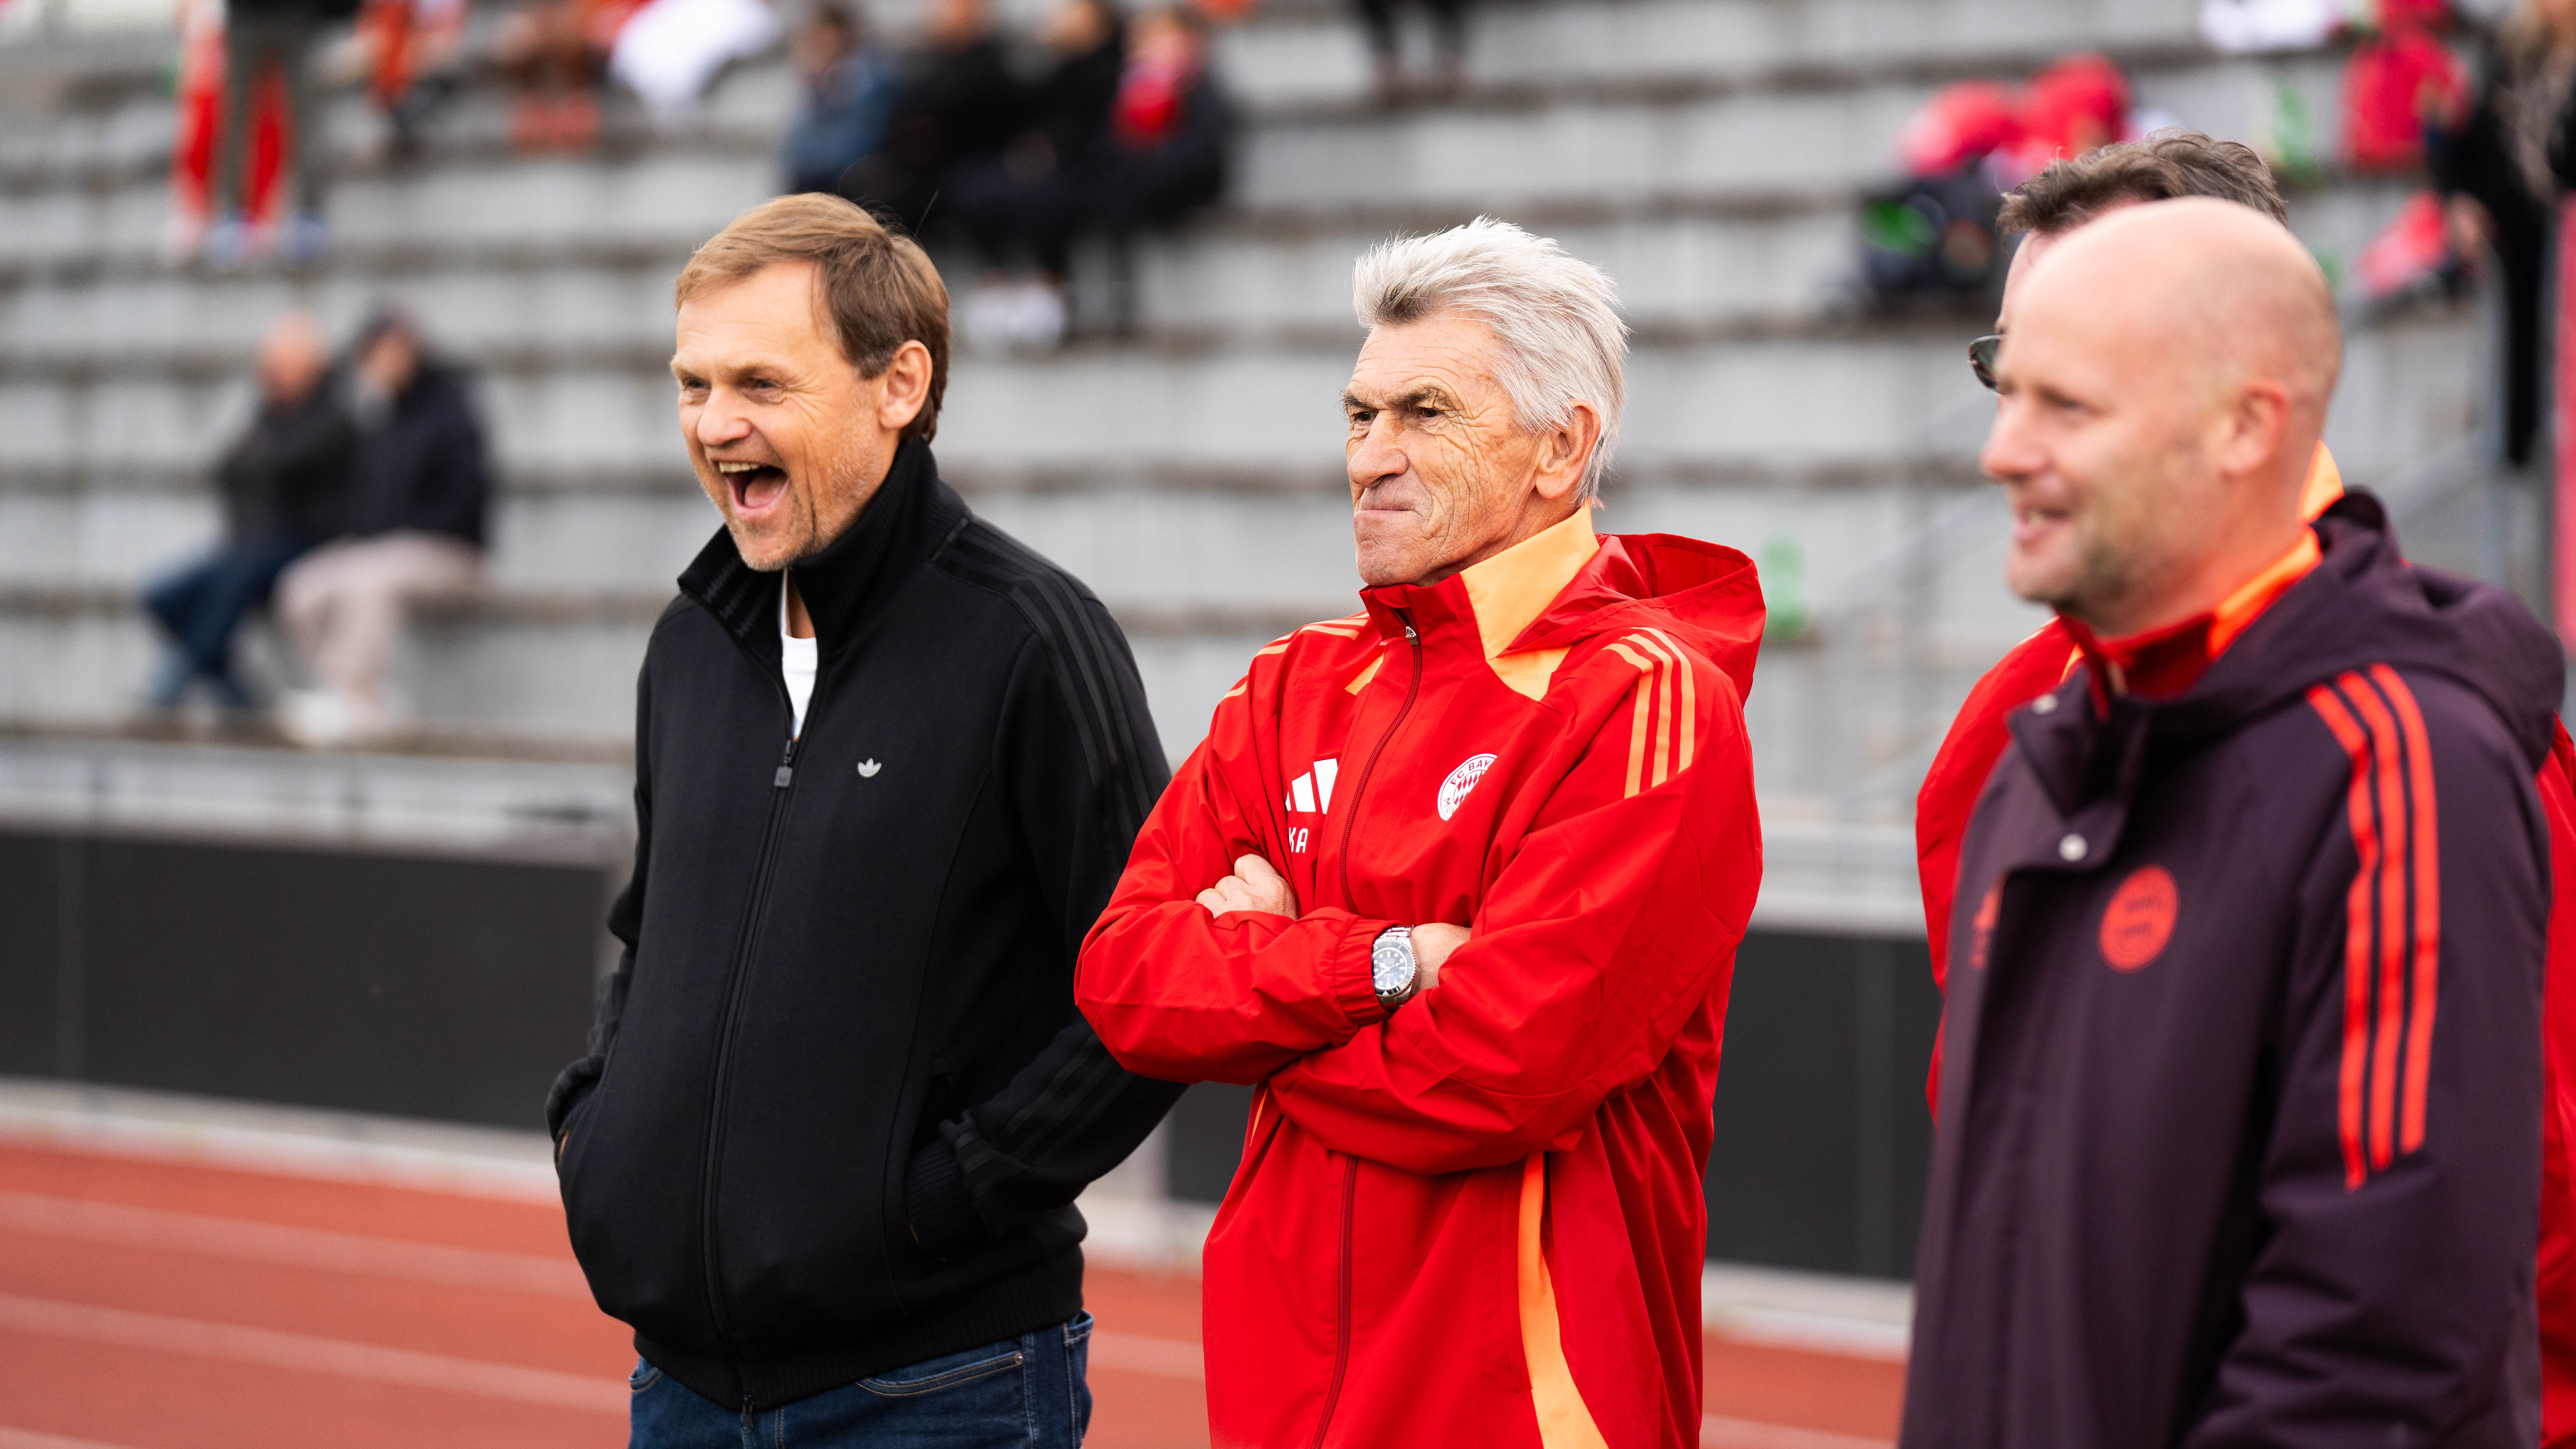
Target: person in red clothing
x,y
2048,208
2241,1129
1458,880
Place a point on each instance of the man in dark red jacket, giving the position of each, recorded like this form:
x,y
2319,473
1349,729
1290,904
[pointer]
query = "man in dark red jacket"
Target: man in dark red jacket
x,y
2240,1133
2046,209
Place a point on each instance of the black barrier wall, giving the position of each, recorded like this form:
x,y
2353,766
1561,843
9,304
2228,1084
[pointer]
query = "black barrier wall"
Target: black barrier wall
x,y
410,985
1823,1139
453,988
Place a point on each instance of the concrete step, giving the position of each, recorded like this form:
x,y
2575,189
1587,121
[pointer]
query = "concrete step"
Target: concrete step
x,y
1633,149
1288,58
1861,402
1168,561
1233,280
89,188
503,677
1299,59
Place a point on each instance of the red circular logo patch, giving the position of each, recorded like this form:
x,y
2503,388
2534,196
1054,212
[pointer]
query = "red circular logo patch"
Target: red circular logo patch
x,y
2140,918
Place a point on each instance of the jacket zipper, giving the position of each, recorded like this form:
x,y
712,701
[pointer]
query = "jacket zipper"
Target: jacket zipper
x,y
716,1090
1359,791
1351,1171
1342,1320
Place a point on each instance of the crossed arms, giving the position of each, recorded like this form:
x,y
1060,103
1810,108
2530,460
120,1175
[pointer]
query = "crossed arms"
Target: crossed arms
x,y
1601,929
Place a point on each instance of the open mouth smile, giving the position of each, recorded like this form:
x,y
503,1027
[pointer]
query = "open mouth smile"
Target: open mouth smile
x,y
756,488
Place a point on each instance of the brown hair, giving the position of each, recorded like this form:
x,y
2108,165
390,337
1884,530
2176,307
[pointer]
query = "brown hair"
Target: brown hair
x,y
2160,167
879,289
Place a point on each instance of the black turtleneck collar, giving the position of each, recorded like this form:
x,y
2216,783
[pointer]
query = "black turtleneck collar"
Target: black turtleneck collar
x,y
911,517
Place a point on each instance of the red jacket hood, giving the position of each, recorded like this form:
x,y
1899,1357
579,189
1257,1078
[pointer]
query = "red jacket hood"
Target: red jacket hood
x,y
1706,592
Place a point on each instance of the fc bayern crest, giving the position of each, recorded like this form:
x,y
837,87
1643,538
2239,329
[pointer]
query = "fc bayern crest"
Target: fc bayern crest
x,y
1461,780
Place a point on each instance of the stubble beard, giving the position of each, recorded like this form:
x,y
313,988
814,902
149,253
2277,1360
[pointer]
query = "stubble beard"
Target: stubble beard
x,y
800,534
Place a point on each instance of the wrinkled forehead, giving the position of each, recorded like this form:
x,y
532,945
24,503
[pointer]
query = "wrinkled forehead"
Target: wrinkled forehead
x,y
777,311
1447,352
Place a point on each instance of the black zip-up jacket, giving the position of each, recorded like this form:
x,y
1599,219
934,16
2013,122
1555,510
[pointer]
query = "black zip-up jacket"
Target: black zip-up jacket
x,y
422,466
2240,1106
289,474
838,1102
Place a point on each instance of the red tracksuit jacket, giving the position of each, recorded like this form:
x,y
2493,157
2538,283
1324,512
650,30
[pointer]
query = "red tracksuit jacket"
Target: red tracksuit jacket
x,y
1968,754
1480,1220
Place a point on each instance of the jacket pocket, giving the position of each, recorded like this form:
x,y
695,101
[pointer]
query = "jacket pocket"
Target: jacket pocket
x,y
951,1371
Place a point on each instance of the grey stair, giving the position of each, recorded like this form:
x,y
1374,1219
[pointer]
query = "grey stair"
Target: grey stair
x,y
1709,153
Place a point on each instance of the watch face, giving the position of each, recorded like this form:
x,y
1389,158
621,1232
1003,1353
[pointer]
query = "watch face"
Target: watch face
x,y
1391,967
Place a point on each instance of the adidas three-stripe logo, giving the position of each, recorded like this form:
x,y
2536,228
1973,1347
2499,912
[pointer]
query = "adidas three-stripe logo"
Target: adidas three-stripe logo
x,y
1312,793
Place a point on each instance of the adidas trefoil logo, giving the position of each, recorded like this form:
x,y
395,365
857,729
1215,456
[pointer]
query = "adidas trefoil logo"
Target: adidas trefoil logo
x,y
868,769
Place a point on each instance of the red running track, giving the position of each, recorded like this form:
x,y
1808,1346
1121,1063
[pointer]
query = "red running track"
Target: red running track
x,y
162,1304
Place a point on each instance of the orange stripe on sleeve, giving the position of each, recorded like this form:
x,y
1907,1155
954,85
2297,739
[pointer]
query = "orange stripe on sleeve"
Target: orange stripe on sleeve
x,y
1644,709
2389,758
1689,701
2357,930
1663,705
1663,709
2425,876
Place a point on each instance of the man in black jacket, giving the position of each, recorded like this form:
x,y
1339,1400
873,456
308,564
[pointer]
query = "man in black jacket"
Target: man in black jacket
x,y
284,485
823,1152
2241,1098
417,502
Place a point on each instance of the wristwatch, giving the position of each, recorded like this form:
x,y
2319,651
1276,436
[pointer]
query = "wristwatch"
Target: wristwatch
x,y
1392,967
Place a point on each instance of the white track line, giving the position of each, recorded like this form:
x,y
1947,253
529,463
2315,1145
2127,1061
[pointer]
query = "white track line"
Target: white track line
x,y
318,1248
305,1353
29,1439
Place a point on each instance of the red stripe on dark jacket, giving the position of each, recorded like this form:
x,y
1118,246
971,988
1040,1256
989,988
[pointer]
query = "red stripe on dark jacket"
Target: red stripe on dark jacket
x,y
2424,877
2393,922
2389,781
2358,927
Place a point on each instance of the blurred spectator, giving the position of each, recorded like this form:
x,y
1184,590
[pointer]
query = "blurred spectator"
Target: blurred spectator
x,y
958,103
419,493
411,52
1168,138
1933,235
849,96
283,485
2074,107
1448,49
1024,206
670,51
2491,165
271,42
2398,85
554,53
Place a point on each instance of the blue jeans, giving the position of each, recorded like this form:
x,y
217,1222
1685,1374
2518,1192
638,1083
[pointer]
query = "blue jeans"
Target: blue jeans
x,y
1022,1393
200,606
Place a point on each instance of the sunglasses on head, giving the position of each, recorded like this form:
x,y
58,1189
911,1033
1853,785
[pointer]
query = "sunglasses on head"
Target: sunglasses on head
x,y
1981,358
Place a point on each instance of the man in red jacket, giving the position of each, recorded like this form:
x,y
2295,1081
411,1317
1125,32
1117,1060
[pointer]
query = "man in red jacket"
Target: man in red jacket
x,y
1458,880
2046,209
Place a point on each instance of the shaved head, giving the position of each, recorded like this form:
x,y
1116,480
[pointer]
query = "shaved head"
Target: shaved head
x,y
2164,384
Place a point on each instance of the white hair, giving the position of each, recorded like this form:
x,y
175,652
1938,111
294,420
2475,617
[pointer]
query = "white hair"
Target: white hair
x,y
1556,318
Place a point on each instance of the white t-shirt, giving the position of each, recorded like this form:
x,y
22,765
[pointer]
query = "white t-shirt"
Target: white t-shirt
x,y
797,658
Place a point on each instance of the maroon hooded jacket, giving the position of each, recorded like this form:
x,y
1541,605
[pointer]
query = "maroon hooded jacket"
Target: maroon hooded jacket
x,y
2240,1130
